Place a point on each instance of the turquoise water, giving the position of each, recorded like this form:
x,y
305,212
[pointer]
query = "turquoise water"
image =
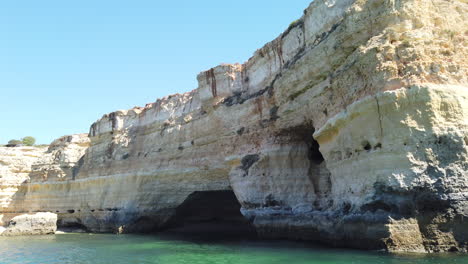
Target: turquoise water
x,y
116,249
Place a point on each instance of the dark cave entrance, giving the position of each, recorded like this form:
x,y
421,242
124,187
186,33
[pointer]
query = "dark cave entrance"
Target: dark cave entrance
x,y
318,173
210,215
71,226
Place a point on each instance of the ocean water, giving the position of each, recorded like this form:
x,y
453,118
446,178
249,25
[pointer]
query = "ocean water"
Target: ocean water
x,y
116,249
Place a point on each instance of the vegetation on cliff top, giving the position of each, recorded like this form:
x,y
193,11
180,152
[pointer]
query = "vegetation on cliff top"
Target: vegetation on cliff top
x,y
26,141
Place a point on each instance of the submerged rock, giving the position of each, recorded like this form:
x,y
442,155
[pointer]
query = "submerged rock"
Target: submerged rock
x,y
351,128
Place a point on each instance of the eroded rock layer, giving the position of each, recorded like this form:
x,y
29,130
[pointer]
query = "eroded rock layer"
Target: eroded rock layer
x,y
351,128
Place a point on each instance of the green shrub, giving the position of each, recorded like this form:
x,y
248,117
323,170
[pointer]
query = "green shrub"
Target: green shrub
x,y
28,141
15,142
294,23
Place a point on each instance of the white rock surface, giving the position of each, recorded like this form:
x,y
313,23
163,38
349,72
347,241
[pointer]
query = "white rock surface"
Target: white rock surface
x,y
31,224
351,128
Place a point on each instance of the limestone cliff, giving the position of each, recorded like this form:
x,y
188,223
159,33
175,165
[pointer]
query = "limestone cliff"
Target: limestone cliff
x,y
351,128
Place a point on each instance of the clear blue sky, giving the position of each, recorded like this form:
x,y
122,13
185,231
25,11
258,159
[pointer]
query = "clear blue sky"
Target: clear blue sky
x,y
63,64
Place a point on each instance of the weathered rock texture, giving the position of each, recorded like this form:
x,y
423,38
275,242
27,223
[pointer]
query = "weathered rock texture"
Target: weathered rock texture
x,y
21,169
31,224
351,128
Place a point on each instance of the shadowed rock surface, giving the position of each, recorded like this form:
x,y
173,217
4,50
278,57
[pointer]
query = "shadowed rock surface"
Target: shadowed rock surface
x,y
351,128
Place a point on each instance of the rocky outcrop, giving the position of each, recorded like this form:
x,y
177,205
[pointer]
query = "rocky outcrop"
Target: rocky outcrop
x,y
24,167
31,224
351,128
15,168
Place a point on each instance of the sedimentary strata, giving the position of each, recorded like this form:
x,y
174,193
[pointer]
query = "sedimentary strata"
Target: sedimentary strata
x,y
350,128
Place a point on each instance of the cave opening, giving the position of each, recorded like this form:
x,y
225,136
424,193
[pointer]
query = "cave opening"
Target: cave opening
x,y
318,172
210,215
71,226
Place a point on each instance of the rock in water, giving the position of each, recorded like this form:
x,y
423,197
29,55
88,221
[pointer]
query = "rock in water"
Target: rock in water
x,y
350,128
31,224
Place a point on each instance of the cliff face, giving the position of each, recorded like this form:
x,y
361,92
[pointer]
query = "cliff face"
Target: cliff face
x,y
26,171
350,128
